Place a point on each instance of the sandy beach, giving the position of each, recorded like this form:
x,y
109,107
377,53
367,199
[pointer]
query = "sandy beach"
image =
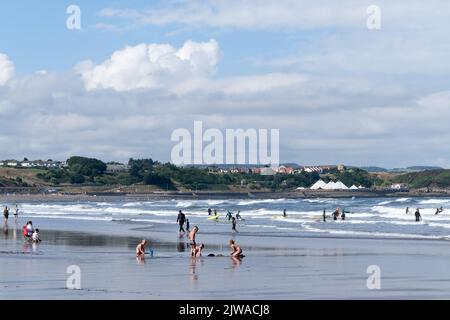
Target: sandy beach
x,y
275,267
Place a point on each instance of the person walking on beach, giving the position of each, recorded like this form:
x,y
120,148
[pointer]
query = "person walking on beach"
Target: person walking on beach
x,y
6,214
233,224
418,216
191,236
181,219
236,251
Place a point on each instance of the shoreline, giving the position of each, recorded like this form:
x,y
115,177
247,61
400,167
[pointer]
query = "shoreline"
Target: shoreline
x,y
304,194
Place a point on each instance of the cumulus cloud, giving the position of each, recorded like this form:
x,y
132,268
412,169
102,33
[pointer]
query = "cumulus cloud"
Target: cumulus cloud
x,y
152,66
6,69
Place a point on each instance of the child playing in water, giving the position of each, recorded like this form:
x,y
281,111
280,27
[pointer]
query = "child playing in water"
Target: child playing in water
x,y
35,237
198,250
140,249
236,250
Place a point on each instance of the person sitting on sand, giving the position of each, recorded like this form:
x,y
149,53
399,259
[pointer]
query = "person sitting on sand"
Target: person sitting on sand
x,y
236,251
192,235
418,216
140,249
35,237
197,252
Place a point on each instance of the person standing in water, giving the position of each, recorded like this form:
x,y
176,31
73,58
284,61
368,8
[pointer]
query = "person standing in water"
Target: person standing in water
x,y
192,235
181,219
229,215
16,214
238,215
233,224
407,210
439,210
6,214
187,225
418,216
209,211
343,215
324,215
284,213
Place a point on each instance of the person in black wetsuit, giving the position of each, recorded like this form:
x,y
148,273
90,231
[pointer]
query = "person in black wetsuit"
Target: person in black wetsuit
x,y
209,211
233,223
418,216
181,219
324,215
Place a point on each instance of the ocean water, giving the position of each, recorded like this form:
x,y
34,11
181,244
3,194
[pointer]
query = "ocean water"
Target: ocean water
x,y
369,217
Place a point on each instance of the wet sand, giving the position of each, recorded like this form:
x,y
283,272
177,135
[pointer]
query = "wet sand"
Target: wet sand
x,y
274,267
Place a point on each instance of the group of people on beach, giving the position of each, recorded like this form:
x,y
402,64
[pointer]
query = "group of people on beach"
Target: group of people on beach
x,y
197,249
29,233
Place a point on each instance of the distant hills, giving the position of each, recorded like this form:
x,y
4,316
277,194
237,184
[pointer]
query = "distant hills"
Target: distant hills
x,y
373,169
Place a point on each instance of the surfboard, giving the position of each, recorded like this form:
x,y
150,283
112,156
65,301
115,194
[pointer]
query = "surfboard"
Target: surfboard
x,y
214,218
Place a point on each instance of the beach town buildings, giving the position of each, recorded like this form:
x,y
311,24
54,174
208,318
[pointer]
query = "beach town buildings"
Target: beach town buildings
x,y
49,164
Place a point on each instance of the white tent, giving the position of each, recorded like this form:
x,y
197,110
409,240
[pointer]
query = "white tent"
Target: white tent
x,y
318,185
340,186
353,187
330,186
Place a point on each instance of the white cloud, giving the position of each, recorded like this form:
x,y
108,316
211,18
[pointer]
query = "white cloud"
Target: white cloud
x,y
6,69
152,66
286,14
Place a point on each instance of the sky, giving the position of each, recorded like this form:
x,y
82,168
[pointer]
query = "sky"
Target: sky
x,y
338,91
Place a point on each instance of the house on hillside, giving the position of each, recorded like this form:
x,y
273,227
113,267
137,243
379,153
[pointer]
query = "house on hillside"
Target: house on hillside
x,y
117,167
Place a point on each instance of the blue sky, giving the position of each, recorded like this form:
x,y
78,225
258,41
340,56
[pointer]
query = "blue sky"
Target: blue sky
x,y
338,92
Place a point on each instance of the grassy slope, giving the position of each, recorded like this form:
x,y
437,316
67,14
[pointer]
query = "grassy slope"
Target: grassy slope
x,y
434,178
8,176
